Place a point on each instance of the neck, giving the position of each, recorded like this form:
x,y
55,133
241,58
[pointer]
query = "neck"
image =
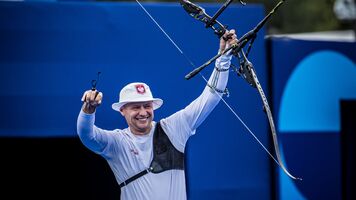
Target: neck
x,y
141,132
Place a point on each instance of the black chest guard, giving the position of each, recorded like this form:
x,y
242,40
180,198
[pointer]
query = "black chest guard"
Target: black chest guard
x,y
165,156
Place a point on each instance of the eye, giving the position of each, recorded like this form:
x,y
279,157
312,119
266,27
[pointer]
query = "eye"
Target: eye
x,y
135,107
148,106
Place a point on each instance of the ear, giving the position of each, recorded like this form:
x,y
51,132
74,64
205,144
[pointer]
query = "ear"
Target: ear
x,y
122,111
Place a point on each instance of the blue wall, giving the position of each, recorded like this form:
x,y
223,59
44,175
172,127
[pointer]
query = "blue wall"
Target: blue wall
x,y
50,52
307,90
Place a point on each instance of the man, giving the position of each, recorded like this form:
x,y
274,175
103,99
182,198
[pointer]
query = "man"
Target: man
x,y
147,158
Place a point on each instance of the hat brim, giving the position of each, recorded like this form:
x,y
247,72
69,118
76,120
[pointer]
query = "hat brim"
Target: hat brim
x,y
157,103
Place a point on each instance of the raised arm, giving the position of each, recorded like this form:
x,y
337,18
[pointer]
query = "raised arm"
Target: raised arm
x,y
92,137
185,121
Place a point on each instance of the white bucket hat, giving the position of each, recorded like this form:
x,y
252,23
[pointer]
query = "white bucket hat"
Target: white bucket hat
x,y
136,92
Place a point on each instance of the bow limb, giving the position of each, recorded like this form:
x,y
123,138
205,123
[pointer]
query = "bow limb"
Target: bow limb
x,y
271,122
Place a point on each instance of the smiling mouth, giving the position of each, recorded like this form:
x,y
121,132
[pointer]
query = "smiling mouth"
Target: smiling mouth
x,y
142,119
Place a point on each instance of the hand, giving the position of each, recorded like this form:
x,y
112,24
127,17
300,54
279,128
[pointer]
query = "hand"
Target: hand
x,y
227,40
91,99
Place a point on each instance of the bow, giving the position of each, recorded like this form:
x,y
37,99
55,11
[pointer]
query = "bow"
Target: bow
x,y
246,69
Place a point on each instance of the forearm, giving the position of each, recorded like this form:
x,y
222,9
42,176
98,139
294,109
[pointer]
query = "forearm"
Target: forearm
x,y
88,133
213,92
197,111
219,77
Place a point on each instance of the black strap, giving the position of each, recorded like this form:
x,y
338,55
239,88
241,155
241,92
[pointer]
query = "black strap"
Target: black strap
x,y
221,69
144,172
226,91
165,156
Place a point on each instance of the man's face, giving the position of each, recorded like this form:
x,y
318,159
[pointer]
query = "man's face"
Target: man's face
x,y
138,116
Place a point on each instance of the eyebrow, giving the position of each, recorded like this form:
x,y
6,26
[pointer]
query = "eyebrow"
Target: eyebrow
x,y
139,104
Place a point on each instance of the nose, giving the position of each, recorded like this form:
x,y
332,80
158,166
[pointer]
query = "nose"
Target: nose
x,y
142,111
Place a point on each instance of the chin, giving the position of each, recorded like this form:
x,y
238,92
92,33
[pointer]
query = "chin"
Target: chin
x,y
145,128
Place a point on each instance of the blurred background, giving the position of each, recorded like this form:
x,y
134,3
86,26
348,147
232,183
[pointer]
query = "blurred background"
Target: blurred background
x,y
303,16
304,56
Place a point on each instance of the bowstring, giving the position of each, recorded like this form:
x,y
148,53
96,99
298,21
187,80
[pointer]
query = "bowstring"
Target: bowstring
x,y
220,96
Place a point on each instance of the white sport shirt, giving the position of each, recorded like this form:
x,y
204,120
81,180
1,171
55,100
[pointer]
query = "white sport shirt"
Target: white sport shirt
x,y
128,154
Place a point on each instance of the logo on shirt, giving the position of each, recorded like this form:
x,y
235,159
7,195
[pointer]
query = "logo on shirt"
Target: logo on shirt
x,y
140,89
135,152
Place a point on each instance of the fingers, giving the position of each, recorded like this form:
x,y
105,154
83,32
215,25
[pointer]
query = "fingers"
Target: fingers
x,y
229,34
227,40
92,97
99,97
232,36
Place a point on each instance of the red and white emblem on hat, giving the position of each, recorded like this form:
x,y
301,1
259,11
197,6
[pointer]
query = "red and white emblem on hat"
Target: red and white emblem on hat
x,y
140,88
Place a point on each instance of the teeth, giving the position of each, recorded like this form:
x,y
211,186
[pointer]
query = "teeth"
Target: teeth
x,y
142,119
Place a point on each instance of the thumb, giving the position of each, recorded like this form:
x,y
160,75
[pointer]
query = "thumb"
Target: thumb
x,y
84,96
